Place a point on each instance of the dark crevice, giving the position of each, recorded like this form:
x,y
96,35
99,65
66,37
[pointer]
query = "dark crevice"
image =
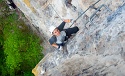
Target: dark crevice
x,y
69,5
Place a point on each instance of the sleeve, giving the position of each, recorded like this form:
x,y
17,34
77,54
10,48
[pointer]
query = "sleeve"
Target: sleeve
x,y
61,26
52,40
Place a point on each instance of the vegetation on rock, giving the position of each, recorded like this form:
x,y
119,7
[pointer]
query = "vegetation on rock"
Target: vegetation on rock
x,y
20,49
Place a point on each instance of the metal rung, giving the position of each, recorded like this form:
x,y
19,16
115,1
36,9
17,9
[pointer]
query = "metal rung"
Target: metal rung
x,y
85,12
98,9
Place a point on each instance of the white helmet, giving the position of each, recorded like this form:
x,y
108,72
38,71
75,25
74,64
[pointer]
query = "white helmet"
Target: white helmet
x,y
51,29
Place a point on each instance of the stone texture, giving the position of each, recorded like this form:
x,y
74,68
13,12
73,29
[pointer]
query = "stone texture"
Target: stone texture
x,y
96,50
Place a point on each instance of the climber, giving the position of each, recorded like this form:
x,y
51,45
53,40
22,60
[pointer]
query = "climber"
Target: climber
x,y
11,4
61,35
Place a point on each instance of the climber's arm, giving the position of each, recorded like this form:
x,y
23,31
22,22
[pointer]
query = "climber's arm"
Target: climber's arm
x,y
52,41
61,26
55,45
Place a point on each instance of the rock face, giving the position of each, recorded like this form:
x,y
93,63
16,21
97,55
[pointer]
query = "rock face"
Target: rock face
x,y
96,50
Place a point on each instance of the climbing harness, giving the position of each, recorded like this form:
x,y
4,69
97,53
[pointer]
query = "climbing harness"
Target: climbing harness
x,y
92,6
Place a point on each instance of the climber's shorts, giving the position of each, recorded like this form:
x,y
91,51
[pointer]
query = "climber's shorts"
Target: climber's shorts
x,y
71,31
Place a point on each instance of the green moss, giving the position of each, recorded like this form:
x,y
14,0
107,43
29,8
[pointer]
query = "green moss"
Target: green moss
x,y
20,49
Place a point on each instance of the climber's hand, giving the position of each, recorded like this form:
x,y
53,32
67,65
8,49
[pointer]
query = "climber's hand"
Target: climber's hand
x,y
60,48
67,20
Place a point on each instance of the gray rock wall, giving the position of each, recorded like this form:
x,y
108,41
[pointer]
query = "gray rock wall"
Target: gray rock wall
x,y
96,50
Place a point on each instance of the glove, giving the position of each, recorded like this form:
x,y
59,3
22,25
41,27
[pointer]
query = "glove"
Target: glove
x,y
60,48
